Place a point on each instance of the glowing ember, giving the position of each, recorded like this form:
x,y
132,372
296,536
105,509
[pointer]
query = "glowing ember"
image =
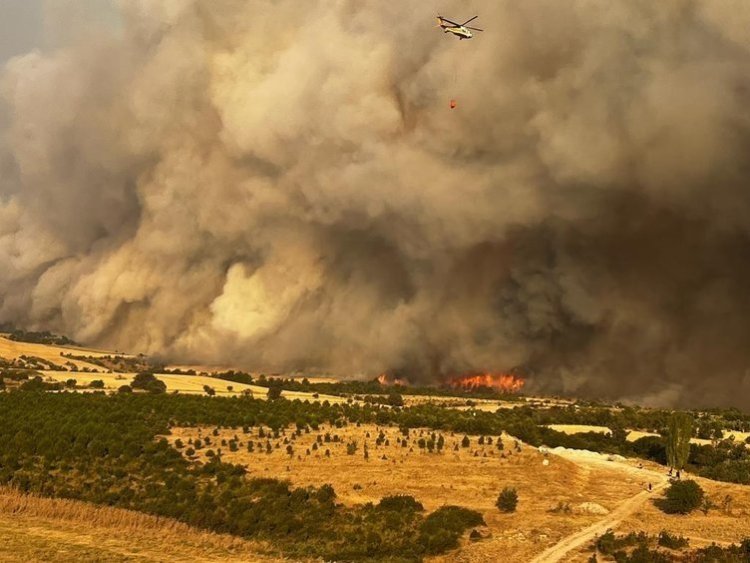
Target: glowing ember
x,y
385,379
503,382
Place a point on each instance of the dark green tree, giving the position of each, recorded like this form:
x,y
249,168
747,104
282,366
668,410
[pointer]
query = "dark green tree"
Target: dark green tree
x,y
682,497
507,500
679,432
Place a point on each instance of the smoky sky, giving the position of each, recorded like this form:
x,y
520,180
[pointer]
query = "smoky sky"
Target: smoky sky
x,y
244,182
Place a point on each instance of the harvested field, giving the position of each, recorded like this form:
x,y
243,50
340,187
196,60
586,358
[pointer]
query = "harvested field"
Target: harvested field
x,y
188,384
52,530
578,428
10,349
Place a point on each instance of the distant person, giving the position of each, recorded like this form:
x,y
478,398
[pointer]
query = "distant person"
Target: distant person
x,y
649,487
678,474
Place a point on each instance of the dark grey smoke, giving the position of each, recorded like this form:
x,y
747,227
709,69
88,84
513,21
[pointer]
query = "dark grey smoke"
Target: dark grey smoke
x,y
246,182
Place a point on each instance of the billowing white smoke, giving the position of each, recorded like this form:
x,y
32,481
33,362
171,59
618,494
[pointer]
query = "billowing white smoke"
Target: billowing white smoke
x,y
280,186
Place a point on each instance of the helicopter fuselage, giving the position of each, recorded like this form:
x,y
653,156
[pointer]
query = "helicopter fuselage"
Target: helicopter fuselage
x,y
459,31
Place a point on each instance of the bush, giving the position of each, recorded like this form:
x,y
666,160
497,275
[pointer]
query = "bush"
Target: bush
x,y
35,384
672,542
441,529
682,497
507,500
210,391
274,392
97,384
400,503
148,382
395,400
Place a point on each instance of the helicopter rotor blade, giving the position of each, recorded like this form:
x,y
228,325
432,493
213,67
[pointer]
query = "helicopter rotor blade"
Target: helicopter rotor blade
x,y
446,20
470,20
474,28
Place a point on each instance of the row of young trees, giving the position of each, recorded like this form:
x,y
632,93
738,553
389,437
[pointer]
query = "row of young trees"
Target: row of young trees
x,y
108,450
724,460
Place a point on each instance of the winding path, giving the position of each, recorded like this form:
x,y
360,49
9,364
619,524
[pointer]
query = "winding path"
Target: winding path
x,y
576,540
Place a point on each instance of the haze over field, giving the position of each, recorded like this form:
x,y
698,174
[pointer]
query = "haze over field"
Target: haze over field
x,y
288,188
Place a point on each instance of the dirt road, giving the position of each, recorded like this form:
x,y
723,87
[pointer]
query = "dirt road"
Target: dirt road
x,y
574,541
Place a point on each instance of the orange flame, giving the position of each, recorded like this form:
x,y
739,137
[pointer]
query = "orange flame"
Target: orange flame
x,y
388,380
502,382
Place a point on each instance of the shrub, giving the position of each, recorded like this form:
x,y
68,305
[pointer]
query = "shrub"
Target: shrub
x,y
326,494
210,391
400,503
672,542
609,544
35,384
148,382
682,497
507,500
97,384
395,400
125,389
274,391
441,529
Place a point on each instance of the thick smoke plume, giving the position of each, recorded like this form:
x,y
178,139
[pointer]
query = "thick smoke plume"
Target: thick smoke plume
x,y
285,187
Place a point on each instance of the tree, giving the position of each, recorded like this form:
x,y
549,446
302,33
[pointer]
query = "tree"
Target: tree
x,y
71,383
507,500
682,497
274,391
96,384
395,399
148,382
210,391
679,431
125,389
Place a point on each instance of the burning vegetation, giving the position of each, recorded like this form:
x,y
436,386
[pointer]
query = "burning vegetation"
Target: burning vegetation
x,y
472,382
388,380
501,382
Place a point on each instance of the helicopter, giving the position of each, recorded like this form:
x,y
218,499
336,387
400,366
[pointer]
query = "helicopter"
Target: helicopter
x,y
460,30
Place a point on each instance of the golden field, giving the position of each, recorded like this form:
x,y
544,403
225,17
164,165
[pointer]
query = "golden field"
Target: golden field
x,y
51,530
10,350
188,384
588,484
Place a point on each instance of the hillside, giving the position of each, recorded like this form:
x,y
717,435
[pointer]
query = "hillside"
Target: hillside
x,y
342,453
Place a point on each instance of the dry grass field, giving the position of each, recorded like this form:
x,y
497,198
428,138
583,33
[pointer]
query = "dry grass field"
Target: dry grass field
x,y
51,530
578,428
187,384
471,477
486,405
719,526
10,350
